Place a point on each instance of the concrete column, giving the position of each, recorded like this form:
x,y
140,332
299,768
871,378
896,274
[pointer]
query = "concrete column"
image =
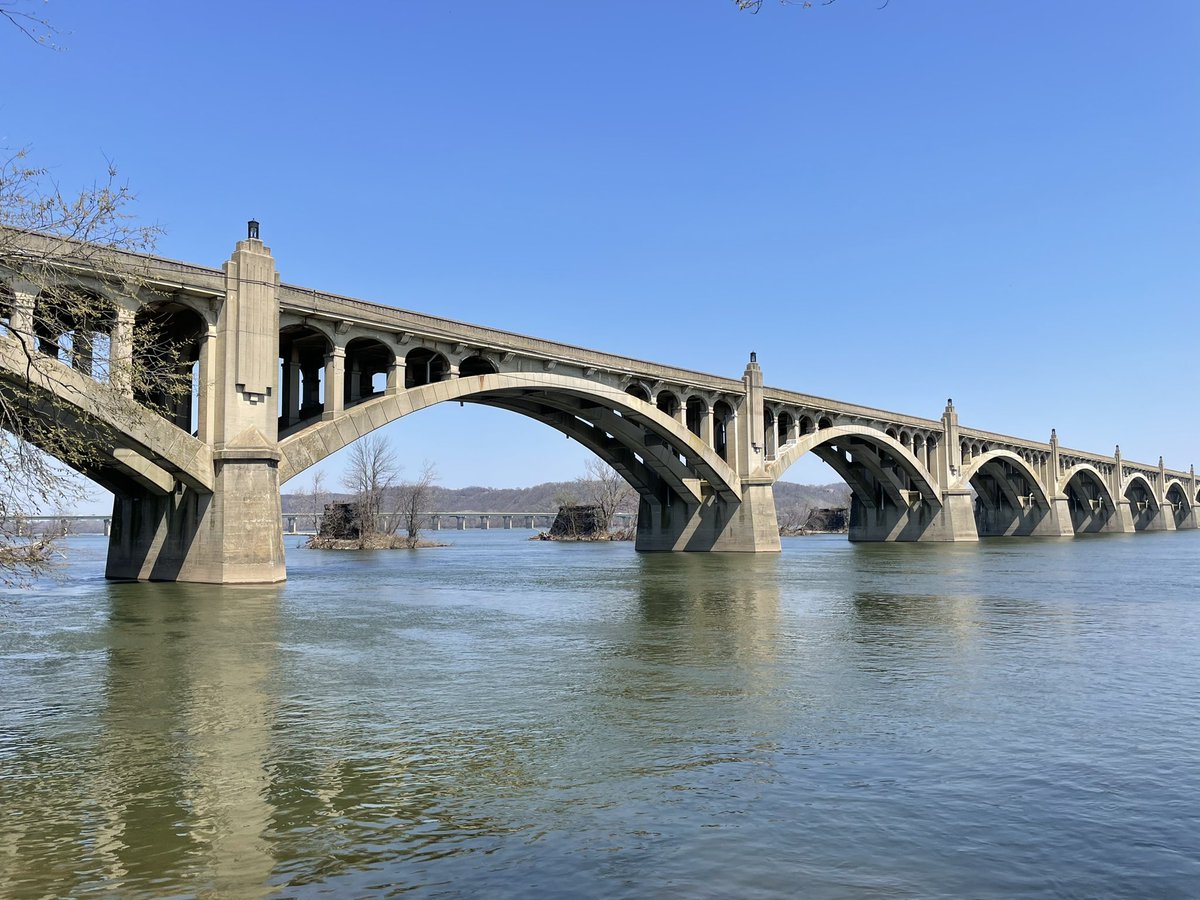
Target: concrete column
x,y
750,438
82,352
461,522
680,414
452,370
20,322
706,427
354,380
206,395
507,523
485,523
1055,464
1125,514
120,352
770,438
395,377
107,527
1165,520
335,374
310,391
234,534
291,392
950,459
437,522
1117,478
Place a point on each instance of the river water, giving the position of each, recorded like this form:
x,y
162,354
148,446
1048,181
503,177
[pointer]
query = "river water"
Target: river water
x,y
505,718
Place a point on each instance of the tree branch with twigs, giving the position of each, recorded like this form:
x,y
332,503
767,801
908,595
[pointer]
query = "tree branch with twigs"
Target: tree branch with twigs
x,y
73,277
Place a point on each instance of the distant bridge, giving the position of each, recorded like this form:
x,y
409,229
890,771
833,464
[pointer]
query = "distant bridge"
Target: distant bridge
x,y
459,521
295,523
288,375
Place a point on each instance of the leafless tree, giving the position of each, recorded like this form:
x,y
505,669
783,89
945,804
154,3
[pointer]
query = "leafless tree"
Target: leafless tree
x,y
314,498
603,488
794,519
69,286
413,500
370,473
30,24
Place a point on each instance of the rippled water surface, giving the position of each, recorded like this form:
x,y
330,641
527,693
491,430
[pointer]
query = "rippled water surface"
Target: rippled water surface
x,y
512,719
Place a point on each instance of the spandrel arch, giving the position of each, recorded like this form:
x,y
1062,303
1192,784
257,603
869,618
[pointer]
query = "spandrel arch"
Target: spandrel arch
x,y
658,442
888,453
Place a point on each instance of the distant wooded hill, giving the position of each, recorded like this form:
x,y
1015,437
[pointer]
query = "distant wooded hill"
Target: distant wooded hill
x,y
792,501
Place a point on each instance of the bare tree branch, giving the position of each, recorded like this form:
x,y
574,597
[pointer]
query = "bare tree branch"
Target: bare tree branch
x,y
73,305
37,29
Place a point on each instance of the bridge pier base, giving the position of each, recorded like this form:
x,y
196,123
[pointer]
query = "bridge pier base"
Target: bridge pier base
x,y
1162,519
232,536
1036,521
1189,520
1122,521
1105,520
715,525
954,520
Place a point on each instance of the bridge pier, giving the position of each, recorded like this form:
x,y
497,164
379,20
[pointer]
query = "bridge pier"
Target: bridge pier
x,y
953,520
1154,518
1089,516
1033,520
716,525
233,535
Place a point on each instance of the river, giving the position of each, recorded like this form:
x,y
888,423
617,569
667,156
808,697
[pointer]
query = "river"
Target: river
x,y
505,718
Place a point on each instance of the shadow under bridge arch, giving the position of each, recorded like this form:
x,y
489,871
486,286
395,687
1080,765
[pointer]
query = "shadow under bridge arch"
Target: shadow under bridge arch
x,y
894,497
1182,506
1142,502
674,472
1089,500
1010,498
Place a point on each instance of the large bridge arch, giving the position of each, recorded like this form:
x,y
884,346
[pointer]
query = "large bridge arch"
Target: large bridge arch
x,y
990,459
1144,506
658,439
894,497
817,440
1092,505
1010,498
1182,506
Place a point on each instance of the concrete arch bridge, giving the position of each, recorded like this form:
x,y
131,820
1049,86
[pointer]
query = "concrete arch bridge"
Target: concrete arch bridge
x,y
286,376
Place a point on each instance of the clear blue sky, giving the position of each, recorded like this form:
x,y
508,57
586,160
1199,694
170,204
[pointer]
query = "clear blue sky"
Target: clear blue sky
x,y
986,200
